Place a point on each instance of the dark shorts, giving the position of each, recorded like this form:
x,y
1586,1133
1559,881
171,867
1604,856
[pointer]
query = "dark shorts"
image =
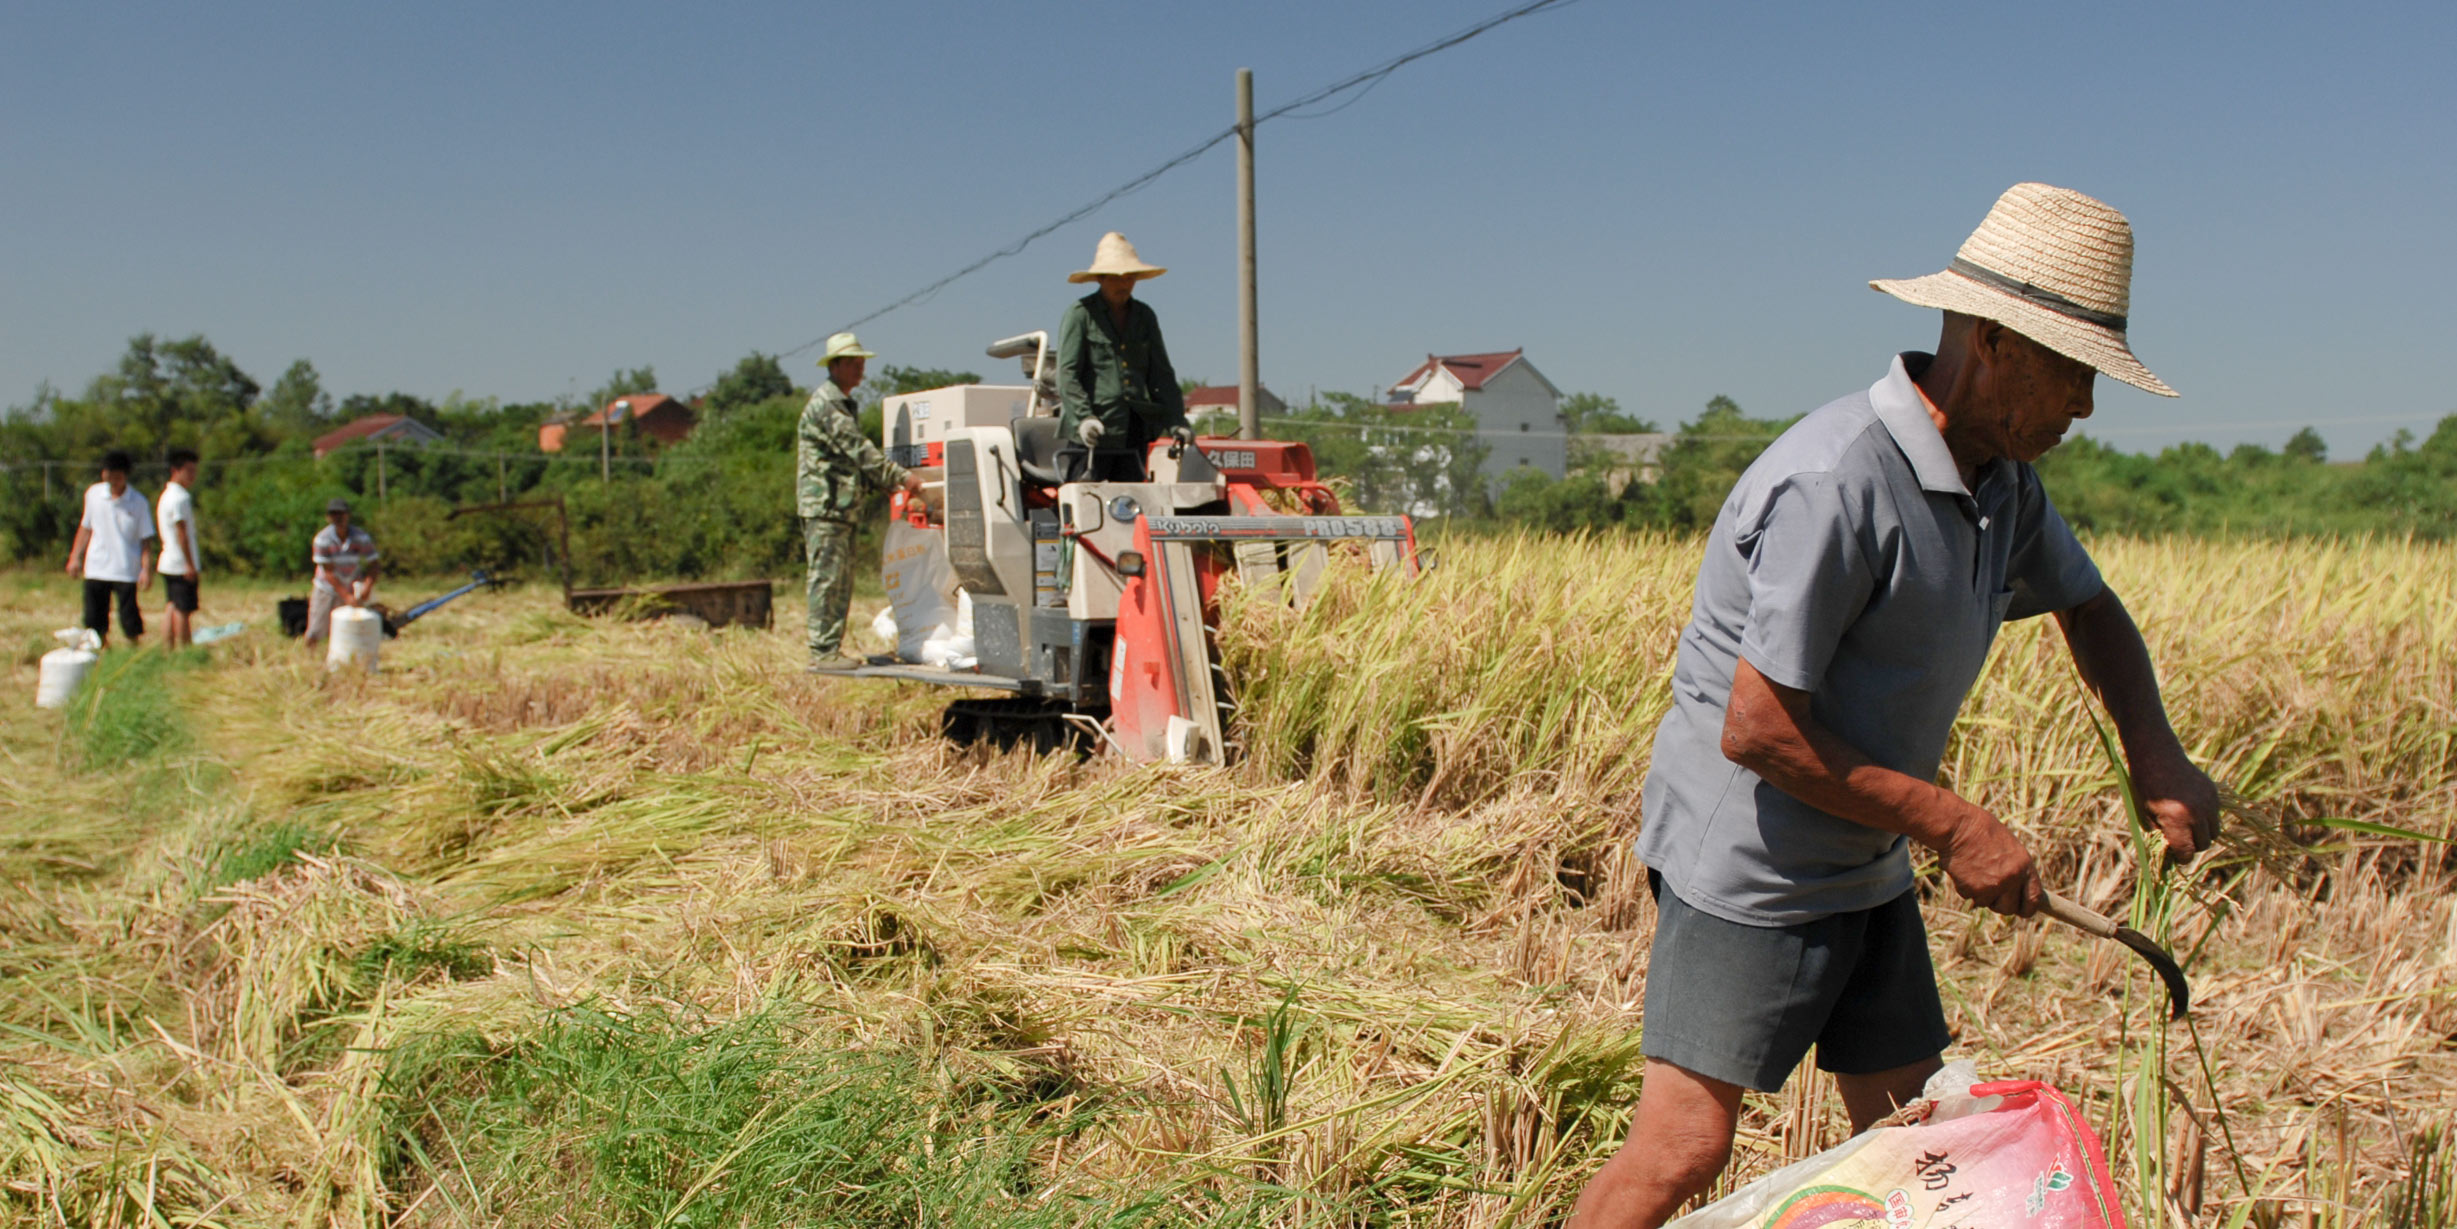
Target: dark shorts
x,y
1743,1004
98,600
182,593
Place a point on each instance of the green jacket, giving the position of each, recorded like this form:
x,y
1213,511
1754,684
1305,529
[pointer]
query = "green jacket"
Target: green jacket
x,y
834,461
1121,377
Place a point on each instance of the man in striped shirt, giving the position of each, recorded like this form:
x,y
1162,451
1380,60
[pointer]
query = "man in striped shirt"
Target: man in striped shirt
x,y
345,560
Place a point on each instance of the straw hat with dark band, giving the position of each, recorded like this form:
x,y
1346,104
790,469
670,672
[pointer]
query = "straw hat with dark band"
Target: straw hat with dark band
x,y
2053,265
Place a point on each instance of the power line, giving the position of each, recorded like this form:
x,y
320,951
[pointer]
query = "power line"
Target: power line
x,y
394,451
1368,77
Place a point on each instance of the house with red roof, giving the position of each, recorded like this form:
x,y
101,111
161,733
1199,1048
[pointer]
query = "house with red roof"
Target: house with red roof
x,y
1517,410
652,414
376,429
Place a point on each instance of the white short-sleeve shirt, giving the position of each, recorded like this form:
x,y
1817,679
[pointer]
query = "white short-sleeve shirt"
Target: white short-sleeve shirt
x,y
120,527
176,506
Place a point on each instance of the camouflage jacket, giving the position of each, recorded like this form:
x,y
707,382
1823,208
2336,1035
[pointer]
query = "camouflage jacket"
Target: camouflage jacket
x,y
834,461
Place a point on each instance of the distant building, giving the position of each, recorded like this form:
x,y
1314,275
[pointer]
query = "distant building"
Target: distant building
x,y
1222,399
658,416
377,428
1517,410
1624,459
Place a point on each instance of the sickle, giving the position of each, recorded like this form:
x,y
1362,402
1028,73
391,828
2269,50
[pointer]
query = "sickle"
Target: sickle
x,y
2179,995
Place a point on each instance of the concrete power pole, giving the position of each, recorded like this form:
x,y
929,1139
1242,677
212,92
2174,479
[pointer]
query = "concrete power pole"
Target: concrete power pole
x,y
1249,357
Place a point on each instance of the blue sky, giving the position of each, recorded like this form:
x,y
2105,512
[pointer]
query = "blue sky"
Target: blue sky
x,y
1661,202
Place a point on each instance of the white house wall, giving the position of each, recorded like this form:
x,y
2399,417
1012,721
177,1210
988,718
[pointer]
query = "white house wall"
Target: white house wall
x,y
1438,388
1520,418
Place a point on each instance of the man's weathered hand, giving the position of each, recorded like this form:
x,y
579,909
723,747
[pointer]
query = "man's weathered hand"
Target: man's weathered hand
x,y
1090,432
1989,866
912,483
2180,800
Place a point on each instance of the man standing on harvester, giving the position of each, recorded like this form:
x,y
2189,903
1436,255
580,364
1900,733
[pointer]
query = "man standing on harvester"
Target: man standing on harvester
x,y
1852,585
1117,393
834,466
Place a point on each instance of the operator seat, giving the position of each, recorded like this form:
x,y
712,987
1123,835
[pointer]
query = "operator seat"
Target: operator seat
x,y
1036,449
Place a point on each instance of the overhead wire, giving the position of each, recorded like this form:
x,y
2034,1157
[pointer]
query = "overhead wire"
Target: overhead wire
x,y
1368,78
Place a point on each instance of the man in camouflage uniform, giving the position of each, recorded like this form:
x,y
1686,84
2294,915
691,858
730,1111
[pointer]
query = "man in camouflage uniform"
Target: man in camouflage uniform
x,y
835,465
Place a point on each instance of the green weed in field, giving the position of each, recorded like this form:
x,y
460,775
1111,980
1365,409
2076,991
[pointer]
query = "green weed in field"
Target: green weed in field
x,y
655,1120
124,712
263,852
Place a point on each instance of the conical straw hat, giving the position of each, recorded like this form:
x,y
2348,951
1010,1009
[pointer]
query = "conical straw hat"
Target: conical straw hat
x,y
2053,265
1116,256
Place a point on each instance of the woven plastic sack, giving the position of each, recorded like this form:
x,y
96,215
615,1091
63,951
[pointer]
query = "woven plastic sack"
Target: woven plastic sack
x,y
920,583
2010,1153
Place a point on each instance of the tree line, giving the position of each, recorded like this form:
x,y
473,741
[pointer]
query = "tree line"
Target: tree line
x,y
2404,487
720,503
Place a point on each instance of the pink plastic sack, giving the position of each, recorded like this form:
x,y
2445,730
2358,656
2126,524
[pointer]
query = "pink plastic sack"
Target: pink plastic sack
x,y
2011,1153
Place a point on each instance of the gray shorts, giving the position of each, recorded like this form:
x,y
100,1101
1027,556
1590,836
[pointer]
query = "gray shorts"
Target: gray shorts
x,y
1743,1004
320,603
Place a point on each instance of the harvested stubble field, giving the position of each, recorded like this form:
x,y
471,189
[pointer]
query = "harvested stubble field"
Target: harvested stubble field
x,y
569,923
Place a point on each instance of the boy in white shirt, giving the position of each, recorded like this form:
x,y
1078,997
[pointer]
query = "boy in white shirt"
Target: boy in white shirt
x,y
110,550
175,517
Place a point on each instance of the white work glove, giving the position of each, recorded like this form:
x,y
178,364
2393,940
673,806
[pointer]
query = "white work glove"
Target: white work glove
x,y
1183,435
1090,432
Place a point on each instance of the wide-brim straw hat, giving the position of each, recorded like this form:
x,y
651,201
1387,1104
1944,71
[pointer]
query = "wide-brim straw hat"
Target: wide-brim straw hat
x,y
2053,265
843,345
1115,257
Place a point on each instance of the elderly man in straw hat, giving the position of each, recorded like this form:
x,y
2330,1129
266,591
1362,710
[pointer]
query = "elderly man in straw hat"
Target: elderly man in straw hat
x,y
835,465
1852,585
1117,392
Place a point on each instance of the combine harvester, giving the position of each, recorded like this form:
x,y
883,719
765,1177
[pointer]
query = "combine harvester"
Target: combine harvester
x,y
1094,603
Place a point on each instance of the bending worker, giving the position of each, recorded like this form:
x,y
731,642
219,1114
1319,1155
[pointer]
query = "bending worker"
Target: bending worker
x,y
1853,582
834,466
1117,393
345,559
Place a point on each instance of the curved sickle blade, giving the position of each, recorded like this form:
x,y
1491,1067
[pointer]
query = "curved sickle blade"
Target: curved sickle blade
x,y
2179,993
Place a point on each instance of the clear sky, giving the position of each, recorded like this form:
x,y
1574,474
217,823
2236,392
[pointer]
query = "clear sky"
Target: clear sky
x,y
1660,202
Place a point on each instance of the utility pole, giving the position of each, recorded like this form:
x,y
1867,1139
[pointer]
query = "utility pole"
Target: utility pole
x,y
1249,357
500,497
605,440
379,471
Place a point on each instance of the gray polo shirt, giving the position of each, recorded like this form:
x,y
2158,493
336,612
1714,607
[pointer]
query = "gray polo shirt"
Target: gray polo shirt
x,y
1851,563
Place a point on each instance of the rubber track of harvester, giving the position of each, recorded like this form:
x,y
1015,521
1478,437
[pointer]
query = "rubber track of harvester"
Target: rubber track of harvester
x,y
1004,724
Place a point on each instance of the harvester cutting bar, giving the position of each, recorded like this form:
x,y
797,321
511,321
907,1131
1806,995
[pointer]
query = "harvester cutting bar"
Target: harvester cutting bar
x,y
1278,528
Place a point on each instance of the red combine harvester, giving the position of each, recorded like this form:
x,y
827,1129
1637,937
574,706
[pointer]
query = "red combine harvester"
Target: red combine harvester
x,y
1093,603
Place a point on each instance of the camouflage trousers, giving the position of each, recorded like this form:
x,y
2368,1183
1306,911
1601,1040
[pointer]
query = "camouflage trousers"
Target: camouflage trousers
x,y
828,548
